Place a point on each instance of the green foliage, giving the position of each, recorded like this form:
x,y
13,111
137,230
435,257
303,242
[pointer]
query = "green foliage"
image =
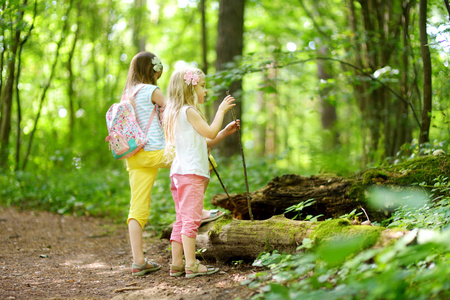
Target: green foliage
x,y
406,270
417,266
73,188
351,215
432,216
297,208
78,191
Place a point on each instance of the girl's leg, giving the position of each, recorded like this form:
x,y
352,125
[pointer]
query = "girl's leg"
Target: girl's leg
x,y
175,237
142,178
177,253
135,231
190,192
189,253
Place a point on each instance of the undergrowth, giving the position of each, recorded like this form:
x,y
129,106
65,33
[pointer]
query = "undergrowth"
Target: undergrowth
x,y
417,266
105,192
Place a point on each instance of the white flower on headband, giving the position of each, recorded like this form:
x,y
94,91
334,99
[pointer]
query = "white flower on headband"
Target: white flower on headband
x,y
157,65
190,78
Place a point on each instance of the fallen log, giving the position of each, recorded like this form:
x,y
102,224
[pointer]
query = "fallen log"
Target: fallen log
x,y
229,239
233,237
334,196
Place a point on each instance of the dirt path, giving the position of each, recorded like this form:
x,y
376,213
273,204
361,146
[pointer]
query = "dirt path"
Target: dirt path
x,y
48,256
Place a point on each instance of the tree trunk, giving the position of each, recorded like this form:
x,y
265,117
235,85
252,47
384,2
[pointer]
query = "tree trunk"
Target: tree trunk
x,y
334,196
271,104
229,46
231,237
47,86
327,109
70,84
361,86
19,108
381,20
403,126
208,109
139,23
228,239
330,139
204,38
2,60
260,130
5,129
427,84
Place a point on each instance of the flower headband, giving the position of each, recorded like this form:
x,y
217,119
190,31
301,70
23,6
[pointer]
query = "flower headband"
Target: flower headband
x,y
191,78
157,65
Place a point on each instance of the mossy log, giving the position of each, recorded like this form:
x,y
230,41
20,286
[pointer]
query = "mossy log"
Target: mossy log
x,y
334,196
230,239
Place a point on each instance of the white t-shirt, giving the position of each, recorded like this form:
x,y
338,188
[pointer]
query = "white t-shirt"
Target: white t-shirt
x,y
191,151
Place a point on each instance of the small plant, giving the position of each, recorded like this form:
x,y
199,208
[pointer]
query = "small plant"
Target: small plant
x,y
237,263
353,215
299,207
312,218
200,252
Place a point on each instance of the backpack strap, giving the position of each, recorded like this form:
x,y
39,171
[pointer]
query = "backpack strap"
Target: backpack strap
x,y
150,120
137,89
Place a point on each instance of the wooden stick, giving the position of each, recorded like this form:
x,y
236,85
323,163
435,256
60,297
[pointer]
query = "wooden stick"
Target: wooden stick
x,y
217,174
243,163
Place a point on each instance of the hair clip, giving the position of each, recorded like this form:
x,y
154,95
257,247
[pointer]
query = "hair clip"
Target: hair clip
x,y
157,65
191,78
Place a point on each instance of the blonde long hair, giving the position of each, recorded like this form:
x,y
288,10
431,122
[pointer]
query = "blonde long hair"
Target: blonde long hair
x,y
179,94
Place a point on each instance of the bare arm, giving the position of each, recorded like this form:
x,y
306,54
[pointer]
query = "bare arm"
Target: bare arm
x,y
158,97
228,130
202,127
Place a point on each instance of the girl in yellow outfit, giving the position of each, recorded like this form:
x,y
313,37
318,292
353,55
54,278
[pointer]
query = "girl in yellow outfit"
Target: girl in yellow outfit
x,y
145,70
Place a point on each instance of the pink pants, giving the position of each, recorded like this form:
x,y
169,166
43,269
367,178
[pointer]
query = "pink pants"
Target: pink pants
x,y
187,193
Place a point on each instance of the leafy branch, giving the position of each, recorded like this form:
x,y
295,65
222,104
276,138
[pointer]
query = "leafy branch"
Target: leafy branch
x,y
241,72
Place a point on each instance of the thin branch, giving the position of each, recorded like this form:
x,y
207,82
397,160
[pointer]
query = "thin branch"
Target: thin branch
x,y
316,25
271,66
249,204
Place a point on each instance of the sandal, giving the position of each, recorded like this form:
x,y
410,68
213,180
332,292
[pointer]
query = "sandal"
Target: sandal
x,y
176,271
147,267
214,214
194,270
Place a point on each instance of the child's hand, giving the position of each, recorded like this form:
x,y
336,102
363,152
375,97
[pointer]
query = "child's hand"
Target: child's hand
x,y
227,103
232,127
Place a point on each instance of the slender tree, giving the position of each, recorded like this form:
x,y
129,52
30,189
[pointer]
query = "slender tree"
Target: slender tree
x,y
427,84
140,9
328,112
9,89
48,83
229,46
19,69
71,81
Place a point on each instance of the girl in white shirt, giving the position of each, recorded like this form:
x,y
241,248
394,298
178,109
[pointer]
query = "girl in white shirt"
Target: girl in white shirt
x,y
187,131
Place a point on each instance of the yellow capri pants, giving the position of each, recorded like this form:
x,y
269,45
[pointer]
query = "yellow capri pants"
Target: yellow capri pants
x,y
142,169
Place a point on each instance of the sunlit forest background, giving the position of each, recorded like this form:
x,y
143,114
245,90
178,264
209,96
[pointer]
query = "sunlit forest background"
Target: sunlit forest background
x,y
332,86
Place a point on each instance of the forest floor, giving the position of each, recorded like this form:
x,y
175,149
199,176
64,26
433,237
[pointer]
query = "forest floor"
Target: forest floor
x,y
49,256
